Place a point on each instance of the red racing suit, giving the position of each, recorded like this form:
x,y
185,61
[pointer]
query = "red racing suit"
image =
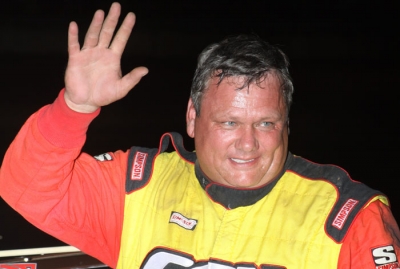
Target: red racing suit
x,y
145,208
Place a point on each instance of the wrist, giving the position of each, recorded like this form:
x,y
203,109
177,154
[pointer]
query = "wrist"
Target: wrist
x,y
62,126
81,108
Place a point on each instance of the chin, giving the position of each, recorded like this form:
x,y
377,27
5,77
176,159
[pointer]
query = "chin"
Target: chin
x,y
246,184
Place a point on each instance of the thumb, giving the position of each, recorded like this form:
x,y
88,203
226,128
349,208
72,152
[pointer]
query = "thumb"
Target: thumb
x,y
132,78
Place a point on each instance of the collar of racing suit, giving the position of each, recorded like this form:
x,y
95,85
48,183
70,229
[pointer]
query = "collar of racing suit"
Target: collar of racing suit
x,y
232,198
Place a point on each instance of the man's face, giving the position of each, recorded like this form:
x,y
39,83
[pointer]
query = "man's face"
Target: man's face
x,y
241,136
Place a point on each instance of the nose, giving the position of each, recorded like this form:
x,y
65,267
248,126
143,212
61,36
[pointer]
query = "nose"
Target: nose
x,y
247,140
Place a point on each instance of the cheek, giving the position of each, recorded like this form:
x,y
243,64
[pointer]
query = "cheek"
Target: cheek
x,y
222,140
273,141
212,144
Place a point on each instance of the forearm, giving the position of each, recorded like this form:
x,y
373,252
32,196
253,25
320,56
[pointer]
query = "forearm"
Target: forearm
x,y
41,154
68,194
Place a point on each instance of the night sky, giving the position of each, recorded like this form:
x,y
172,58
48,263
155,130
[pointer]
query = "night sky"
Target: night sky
x,y
344,63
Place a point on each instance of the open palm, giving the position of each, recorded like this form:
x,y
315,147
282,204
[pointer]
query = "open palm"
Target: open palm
x,y
93,77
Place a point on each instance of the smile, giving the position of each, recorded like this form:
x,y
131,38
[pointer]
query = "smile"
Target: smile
x,y
241,161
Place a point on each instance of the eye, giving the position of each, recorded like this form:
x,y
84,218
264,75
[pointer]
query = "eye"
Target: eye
x,y
265,124
229,123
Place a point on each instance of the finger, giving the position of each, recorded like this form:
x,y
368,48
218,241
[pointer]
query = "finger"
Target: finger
x,y
73,40
122,36
109,25
92,35
131,79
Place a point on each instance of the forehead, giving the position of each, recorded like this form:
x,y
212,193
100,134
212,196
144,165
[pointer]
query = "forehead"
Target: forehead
x,y
233,92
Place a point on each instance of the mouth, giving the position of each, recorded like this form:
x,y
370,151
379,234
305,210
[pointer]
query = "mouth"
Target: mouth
x,y
240,161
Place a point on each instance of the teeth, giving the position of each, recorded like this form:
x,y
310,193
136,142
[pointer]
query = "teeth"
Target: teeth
x,y
241,161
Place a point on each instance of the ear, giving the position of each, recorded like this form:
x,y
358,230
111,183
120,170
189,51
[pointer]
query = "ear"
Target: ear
x,y
190,118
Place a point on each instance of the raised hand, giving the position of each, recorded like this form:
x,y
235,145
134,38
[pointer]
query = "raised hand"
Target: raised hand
x,y
93,77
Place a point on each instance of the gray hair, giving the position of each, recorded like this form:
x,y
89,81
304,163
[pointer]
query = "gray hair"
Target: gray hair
x,y
243,55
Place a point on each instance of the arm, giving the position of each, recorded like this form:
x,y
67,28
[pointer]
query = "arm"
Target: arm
x,y
45,176
372,241
65,193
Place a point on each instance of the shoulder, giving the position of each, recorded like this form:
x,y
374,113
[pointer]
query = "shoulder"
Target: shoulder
x,y
142,160
351,196
373,240
331,174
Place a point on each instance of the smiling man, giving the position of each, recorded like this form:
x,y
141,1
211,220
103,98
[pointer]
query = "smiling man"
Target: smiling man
x,y
240,200
241,136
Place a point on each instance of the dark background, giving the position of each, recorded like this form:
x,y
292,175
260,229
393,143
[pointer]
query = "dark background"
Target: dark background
x,y
344,62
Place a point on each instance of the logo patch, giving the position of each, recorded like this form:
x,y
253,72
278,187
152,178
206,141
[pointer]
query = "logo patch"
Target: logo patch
x,y
169,258
344,212
139,162
385,258
389,266
103,157
177,218
18,266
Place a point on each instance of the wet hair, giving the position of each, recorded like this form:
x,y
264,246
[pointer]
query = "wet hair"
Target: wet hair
x,y
246,56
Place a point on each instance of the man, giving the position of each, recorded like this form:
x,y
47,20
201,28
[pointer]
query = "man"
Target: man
x,y
241,200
